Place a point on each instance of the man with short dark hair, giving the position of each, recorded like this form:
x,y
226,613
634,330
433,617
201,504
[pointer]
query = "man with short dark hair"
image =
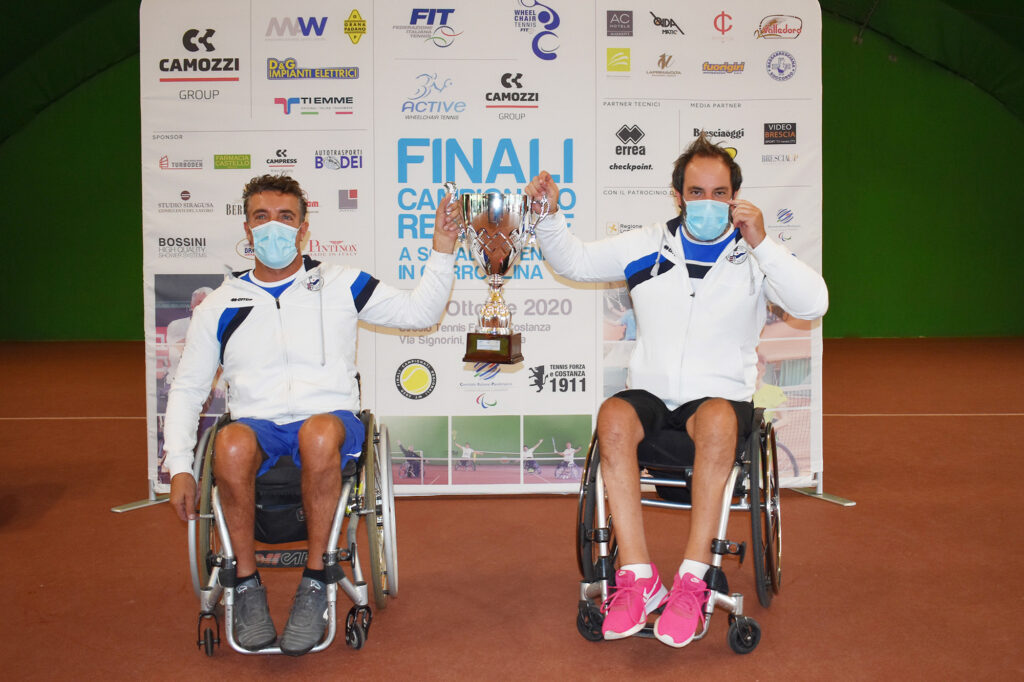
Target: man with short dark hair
x,y
284,333
699,285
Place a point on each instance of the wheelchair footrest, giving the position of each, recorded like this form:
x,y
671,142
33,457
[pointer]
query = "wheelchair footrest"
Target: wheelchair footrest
x,y
729,547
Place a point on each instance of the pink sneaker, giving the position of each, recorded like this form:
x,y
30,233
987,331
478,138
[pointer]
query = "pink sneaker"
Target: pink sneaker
x,y
625,612
684,611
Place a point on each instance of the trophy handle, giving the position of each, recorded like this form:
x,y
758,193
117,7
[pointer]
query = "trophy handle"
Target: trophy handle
x,y
453,191
540,216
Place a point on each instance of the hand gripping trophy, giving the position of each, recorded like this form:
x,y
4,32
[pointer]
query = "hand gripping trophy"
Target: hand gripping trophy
x,y
496,228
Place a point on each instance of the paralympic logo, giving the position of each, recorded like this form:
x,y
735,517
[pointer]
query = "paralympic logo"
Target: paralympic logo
x,y
483,402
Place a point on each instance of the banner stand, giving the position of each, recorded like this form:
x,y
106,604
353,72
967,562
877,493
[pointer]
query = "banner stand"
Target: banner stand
x,y
818,493
139,504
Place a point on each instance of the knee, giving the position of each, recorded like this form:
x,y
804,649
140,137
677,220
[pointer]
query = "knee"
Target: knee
x,y
618,428
715,421
320,437
237,452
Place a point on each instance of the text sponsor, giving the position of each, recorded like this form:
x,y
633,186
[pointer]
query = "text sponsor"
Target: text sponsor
x,y
198,95
244,249
431,25
617,59
779,158
181,247
540,20
776,26
731,134
231,161
427,102
289,69
486,375
167,163
632,103
621,228
234,208
619,23
781,65
281,159
780,133
415,379
629,136
716,105
185,205
559,378
664,64
338,159
666,25
326,248
355,26
297,28
717,68
313,106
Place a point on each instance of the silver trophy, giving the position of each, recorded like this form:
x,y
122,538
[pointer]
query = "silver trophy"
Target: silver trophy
x,y
496,228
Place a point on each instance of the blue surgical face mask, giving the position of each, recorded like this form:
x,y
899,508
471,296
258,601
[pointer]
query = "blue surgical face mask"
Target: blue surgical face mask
x,y
706,219
274,244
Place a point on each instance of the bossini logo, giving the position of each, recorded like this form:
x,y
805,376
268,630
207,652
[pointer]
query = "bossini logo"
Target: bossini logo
x,y
415,379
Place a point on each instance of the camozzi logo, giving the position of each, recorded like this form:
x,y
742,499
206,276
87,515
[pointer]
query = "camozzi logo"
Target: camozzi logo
x,y
338,159
431,101
415,379
540,20
780,26
431,25
199,68
512,96
619,23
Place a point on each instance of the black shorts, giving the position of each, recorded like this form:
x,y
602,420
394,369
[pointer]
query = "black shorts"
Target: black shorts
x,y
665,439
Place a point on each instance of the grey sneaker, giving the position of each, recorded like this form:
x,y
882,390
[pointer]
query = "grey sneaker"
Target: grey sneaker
x,y
253,628
307,621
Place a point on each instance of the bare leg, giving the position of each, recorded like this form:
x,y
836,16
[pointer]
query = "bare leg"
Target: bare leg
x,y
319,439
619,431
237,460
713,430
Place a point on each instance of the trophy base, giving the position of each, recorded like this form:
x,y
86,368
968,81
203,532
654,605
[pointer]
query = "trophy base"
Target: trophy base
x,y
503,349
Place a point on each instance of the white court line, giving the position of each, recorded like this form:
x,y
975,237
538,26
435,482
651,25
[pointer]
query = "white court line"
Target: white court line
x,y
924,414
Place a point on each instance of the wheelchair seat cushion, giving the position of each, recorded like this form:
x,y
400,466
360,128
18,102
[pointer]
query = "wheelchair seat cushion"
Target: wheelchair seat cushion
x,y
279,513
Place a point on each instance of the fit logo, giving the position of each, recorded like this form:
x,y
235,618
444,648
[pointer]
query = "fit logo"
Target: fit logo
x,y
430,15
191,40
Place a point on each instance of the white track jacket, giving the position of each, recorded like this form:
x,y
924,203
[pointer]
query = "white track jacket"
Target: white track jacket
x,y
690,345
289,358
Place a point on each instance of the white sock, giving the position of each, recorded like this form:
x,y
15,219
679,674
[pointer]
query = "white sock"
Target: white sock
x,y
696,568
639,570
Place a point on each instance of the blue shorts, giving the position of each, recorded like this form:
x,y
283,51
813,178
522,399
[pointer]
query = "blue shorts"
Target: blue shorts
x,y
278,440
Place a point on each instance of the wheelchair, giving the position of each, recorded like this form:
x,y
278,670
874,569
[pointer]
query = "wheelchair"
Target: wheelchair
x,y
753,485
366,491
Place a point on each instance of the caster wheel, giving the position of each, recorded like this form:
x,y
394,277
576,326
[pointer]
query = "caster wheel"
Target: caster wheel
x,y
208,641
355,636
744,635
588,622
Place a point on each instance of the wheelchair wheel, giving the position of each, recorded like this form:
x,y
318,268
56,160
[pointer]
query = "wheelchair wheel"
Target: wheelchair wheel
x,y
765,519
587,556
203,543
380,500
744,634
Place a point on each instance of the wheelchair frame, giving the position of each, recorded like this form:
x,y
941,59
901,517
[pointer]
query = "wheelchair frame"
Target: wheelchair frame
x,y
752,486
368,492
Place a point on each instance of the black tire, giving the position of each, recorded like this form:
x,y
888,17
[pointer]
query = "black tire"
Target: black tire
x,y
208,641
206,542
758,534
744,635
355,636
772,510
588,621
374,520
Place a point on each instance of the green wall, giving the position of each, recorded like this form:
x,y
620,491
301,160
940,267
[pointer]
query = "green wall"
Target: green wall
x,y
921,201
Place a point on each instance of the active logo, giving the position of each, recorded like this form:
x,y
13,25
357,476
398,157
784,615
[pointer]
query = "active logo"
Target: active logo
x,y
780,133
426,103
618,59
531,16
355,26
619,23
781,65
415,379
287,28
776,26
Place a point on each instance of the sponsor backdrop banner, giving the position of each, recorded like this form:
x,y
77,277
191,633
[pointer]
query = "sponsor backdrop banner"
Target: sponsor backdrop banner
x,y
373,106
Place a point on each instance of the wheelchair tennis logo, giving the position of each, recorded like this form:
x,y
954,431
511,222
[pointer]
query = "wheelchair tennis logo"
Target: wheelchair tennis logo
x,y
415,379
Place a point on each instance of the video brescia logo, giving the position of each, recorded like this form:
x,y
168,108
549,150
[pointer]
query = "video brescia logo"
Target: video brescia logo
x,y
415,379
